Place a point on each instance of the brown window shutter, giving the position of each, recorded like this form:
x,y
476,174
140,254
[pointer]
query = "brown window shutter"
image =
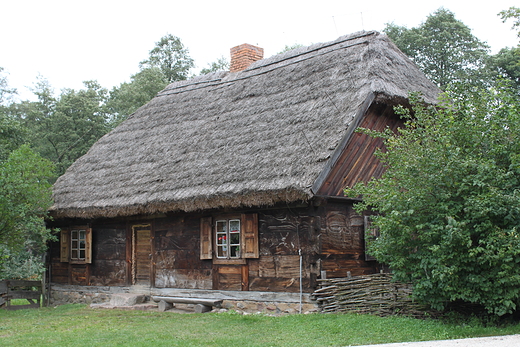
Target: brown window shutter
x,y
206,248
88,245
250,242
64,246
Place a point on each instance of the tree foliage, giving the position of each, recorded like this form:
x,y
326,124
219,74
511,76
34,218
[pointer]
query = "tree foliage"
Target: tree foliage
x,y
512,13
128,97
288,48
170,55
443,48
506,63
25,197
12,133
449,202
221,64
6,93
63,129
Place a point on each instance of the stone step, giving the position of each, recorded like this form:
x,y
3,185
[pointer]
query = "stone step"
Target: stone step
x,y
126,299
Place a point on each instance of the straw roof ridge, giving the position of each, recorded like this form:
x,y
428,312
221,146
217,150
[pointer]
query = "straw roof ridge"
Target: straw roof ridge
x,y
228,140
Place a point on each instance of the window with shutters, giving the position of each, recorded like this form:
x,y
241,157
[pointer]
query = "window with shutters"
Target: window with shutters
x,y
229,237
76,245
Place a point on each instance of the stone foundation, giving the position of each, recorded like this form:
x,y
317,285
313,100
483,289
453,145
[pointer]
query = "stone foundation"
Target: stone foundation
x,y
242,302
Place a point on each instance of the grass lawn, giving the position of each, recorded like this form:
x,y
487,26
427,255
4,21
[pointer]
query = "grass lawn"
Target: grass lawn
x,y
78,325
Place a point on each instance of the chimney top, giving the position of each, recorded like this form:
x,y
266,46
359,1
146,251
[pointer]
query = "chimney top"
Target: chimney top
x,y
244,55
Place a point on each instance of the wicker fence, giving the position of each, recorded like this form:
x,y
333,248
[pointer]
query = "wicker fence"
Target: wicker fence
x,y
373,294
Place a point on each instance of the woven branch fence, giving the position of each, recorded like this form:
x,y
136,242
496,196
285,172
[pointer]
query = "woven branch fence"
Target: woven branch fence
x,y
372,294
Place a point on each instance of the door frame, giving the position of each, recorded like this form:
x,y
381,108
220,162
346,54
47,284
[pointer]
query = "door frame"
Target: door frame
x,y
131,249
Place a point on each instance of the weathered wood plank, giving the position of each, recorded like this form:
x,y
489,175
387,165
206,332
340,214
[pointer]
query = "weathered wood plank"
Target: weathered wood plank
x,y
25,294
23,283
179,300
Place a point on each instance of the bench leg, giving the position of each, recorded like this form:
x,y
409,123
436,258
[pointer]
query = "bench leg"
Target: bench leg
x,y
164,306
199,308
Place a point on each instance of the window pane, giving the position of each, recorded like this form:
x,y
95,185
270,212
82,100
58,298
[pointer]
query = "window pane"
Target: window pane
x,y
74,235
82,234
82,254
221,238
234,226
221,226
74,254
235,252
234,239
220,252
74,244
82,245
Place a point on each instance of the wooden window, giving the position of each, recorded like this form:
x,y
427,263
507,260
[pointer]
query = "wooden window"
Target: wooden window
x,y
234,237
76,245
227,236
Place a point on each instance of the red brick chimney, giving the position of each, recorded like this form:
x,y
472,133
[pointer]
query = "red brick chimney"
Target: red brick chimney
x,y
244,55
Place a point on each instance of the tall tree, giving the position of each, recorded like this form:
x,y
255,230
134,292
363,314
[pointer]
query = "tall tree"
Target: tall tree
x,y
507,61
444,48
170,55
448,204
25,197
63,128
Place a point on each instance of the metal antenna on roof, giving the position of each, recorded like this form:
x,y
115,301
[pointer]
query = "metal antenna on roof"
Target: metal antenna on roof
x,y
335,26
362,24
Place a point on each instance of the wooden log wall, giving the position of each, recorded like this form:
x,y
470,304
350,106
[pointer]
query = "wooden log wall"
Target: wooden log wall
x,y
342,241
177,259
282,234
374,294
329,234
109,252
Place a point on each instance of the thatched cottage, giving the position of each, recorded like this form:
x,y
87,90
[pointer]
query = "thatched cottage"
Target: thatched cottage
x,y
233,181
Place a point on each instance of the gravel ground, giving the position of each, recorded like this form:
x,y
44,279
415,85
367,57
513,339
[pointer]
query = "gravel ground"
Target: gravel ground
x,y
494,341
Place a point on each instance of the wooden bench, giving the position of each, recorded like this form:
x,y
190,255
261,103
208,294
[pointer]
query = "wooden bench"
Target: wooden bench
x,y
201,305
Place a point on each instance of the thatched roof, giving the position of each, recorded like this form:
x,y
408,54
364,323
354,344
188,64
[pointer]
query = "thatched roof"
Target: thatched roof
x,y
250,138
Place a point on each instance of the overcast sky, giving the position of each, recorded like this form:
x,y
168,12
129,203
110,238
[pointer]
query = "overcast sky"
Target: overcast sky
x,y
68,41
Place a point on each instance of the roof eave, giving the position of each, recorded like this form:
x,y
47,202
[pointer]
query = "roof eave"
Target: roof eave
x,y
249,200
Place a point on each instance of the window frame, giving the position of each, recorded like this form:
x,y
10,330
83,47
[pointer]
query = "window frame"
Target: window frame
x,y
71,245
230,248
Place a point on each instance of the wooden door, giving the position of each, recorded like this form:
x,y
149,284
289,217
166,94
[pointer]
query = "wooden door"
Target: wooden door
x,y
142,270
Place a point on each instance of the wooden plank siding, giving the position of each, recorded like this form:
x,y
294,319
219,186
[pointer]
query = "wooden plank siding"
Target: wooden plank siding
x,y
357,162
